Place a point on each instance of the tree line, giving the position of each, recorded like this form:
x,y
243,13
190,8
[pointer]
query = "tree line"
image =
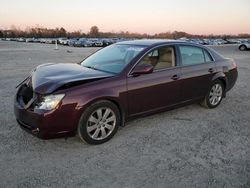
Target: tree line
x,y
41,32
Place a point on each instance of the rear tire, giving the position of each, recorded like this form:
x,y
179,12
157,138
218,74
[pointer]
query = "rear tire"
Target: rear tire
x,y
99,122
214,95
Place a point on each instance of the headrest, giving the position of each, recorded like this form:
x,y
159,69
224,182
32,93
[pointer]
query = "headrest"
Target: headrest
x,y
166,55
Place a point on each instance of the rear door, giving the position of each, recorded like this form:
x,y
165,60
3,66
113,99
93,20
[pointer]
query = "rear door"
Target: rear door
x,y
197,71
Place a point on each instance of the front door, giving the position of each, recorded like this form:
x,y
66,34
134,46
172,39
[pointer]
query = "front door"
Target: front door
x,y
156,90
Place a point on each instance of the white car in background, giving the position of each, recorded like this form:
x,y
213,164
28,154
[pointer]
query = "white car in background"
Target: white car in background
x,y
244,46
63,41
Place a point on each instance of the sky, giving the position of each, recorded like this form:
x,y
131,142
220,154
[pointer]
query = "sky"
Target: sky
x,y
144,16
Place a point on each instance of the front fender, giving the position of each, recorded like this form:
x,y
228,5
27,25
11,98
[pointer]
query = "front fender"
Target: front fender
x,y
114,99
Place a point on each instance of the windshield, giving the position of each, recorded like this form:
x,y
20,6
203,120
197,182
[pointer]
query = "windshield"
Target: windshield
x,y
113,58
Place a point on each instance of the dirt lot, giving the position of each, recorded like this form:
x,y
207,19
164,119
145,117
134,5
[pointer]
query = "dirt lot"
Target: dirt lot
x,y
186,147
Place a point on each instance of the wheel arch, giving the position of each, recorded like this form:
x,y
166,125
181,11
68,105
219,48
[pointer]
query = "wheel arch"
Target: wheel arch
x,y
113,100
222,77
121,109
243,45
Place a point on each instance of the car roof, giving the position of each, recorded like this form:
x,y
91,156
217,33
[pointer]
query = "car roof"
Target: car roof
x,y
152,42
155,42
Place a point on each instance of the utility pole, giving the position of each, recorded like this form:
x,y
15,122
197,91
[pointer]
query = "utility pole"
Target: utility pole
x,y
56,47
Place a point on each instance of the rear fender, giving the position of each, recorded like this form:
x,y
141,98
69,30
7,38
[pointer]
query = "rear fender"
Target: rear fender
x,y
222,77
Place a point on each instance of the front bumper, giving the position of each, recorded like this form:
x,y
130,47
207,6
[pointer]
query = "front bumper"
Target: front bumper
x,y
42,125
61,122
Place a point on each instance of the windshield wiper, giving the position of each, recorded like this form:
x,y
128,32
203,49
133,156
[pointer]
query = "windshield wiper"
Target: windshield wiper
x,y
90,67
94,68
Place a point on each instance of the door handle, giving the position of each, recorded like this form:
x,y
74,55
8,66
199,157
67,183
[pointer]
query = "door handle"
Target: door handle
x,y
211,70
175,77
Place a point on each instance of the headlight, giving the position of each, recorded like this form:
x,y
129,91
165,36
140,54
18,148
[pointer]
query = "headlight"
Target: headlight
x,y
49,102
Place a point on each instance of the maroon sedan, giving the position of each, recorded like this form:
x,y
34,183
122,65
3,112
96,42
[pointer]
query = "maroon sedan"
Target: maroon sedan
x,y
118,83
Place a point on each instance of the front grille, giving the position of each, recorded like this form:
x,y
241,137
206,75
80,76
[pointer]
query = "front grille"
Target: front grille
x,y
25,95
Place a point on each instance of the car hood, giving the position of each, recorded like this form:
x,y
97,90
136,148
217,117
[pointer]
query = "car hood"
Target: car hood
x,y
49,77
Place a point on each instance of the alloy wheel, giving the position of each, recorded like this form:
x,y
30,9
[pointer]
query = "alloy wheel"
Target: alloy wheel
x,y
215,94
101,123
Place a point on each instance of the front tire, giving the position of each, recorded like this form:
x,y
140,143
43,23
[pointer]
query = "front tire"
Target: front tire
x,y
99,122
214,95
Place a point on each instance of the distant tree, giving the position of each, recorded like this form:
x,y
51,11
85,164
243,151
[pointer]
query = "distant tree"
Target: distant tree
x,y
33,32
1,34
42,32
179,34
11,34
244,35
74,34
62,32
94,31
39,33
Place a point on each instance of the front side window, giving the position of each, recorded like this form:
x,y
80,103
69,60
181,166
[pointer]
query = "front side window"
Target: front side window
x,y
191,55
160,58
208,57
113,58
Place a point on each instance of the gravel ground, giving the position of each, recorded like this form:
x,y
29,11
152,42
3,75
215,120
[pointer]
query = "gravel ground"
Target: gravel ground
x,y
186,147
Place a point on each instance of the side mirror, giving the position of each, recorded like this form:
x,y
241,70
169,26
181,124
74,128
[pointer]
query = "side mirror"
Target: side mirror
x,y
142,69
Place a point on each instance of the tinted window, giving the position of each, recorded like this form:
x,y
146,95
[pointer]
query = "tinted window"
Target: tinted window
x,y
160,58
191,55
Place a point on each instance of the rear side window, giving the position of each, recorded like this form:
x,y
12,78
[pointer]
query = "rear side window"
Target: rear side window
x,y
191,55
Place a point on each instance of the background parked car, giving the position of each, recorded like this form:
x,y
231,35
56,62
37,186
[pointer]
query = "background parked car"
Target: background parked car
x,y
86,42
29,40
196,41
63,41
96,42
232,41
72,41
244,46
102,42
48,40
21,40
76,43
107,42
